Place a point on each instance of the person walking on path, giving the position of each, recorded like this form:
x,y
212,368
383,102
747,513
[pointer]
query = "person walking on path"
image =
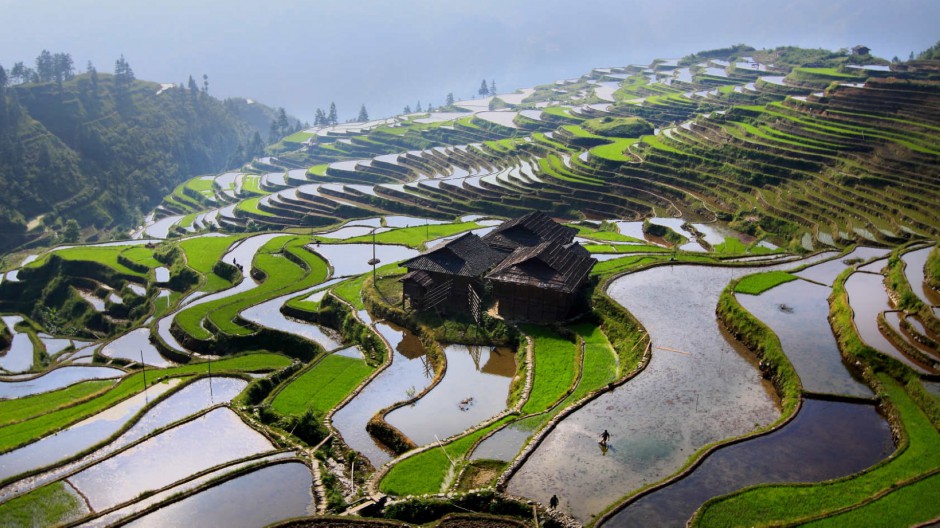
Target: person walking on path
x,y
553,502
605,436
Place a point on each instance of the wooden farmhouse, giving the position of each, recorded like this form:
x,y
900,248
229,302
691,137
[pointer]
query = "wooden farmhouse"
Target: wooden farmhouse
x,y
532,267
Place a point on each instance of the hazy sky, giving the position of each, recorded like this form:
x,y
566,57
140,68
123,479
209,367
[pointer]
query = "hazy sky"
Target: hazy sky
x,y
303,54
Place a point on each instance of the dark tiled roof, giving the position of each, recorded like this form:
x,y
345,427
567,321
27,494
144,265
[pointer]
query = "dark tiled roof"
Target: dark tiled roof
x,y
466,256
529,230
419,277
548,265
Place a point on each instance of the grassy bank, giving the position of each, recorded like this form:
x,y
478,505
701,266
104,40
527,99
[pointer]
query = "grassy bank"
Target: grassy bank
x,y
321,387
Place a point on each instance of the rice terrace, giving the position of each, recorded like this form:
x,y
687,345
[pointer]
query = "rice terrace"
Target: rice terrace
x,y
727,262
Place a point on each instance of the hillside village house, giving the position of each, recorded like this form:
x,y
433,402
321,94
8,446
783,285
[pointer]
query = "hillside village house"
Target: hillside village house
x,y
531,264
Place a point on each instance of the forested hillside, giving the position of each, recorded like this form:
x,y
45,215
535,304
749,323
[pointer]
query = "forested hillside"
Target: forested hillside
x,y
103,148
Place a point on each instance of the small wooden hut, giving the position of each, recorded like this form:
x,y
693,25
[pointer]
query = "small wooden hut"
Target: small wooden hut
x,y
540,283
442,277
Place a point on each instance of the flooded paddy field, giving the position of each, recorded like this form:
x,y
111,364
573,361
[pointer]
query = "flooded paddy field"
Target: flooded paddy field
x,y
408,374
825,440
475,387
55,379
697,389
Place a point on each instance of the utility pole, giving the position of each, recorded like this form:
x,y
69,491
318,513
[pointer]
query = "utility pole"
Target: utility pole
x,y
144,366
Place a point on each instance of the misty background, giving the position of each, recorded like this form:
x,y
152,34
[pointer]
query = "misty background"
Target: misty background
x,y
301,55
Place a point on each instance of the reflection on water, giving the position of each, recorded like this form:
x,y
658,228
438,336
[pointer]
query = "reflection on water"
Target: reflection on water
x,y
798,313
134,345
409,373
262,497
914,270
826,272
19,357
214,438
696,389
269,314
825,440
78,437
189,400
868,298
56,379
467,395
353,259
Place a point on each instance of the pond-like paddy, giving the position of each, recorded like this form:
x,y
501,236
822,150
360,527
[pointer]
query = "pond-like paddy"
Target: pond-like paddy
x,y
136,346
262,497
268,314
55,379
826,272
408,374
914,270
475,387
211,439
353,259
697,389
19,357
78,437
825,440
868,298
798,313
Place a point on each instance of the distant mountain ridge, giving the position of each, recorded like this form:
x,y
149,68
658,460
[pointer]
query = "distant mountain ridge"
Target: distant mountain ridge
x,y
102,150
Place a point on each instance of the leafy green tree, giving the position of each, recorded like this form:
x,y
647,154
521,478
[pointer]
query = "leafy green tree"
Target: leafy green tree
x,y
493,87
273,132
45,66
283,124
418,107
407,109
450,99
319,118
205,83
20,73
363,114
123,76
72,231
332,117
484,90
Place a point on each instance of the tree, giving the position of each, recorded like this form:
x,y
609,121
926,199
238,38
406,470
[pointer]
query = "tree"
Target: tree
x,y
63,68
45,66
493,87
21,73
407,109
418,107
191,84
319,119
363,114
72,231
283,124
205,83
123,76
450,99
430,108
484,91
331,117
273,134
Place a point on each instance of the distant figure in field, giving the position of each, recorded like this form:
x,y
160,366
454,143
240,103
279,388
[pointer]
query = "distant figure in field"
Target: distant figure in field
x,y
553,502
605,436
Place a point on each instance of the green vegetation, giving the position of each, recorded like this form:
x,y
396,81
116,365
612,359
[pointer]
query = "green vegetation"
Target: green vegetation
x,y
796,502
606,231
283,275
106,255
202,253
427,472
27,407
555,368
622,127
932,268
50,505
350,290
758,283
599,365
22,432
321,387
907,505
414,237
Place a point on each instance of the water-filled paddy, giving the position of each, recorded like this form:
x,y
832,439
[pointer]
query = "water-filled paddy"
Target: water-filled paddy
x,y
825,440
19,357
868,298
826,272
214,438
78,437
409,373
353,259
269,314
914,271
135,345
798,312
475,387
262,497
696,389
56,379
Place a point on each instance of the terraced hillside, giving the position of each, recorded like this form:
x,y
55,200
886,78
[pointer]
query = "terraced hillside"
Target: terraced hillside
x,y
257,316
